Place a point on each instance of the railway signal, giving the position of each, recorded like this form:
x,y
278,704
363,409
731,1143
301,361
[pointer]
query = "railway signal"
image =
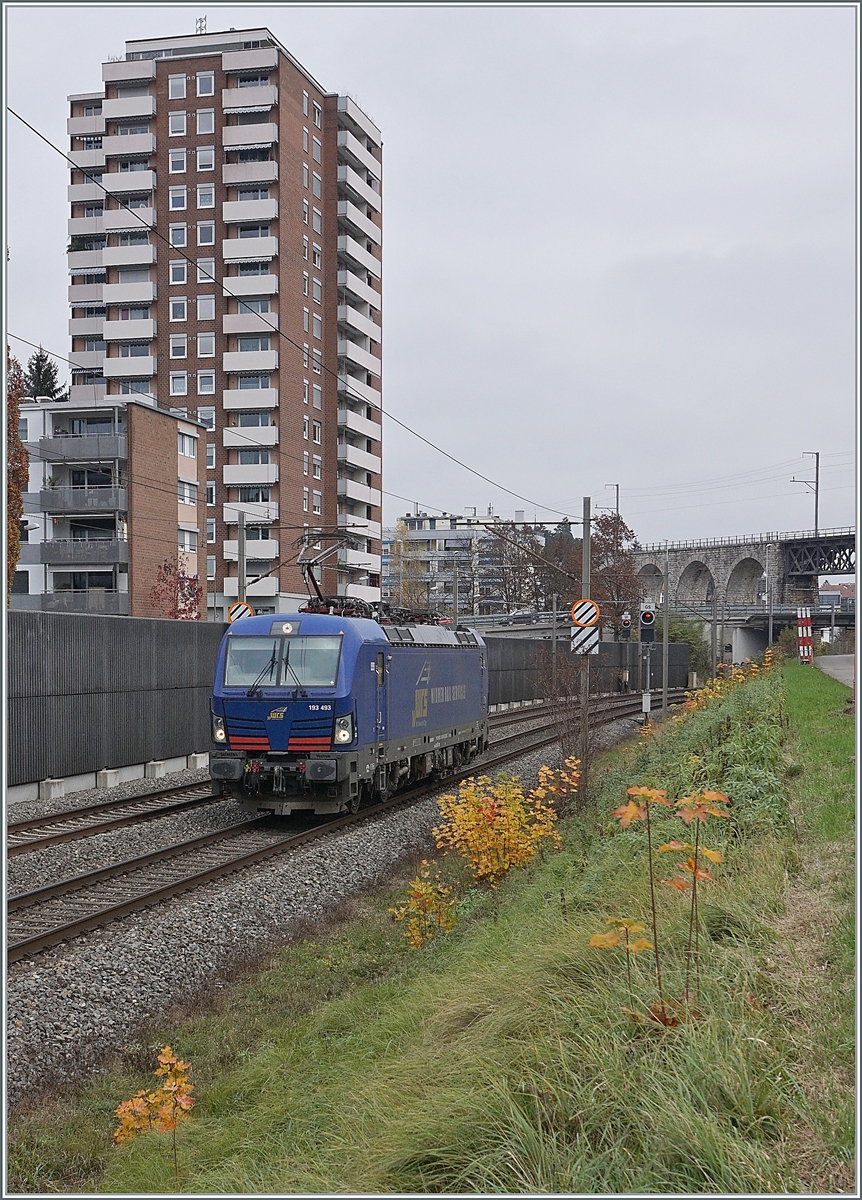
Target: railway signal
x,y
647,623
626,626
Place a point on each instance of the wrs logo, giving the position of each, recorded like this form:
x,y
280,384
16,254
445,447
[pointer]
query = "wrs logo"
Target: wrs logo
x,y
277,714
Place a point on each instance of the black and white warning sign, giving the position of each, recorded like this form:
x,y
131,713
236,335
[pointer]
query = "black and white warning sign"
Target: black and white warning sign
x,y
585,612
585,641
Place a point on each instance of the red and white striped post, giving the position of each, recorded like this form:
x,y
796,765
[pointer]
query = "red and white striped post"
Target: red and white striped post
x,y
804,634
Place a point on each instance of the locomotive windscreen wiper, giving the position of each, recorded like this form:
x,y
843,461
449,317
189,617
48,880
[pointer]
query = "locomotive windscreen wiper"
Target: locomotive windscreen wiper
x,y
302,690
270,666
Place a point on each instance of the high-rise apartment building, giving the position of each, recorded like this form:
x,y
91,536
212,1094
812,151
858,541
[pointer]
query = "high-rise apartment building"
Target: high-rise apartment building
x,y
225,258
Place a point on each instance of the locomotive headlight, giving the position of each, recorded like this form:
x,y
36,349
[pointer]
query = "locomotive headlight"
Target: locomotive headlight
x,y
344,729
219,734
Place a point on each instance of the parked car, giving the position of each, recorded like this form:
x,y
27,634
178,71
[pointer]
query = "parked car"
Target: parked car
x,y
524,616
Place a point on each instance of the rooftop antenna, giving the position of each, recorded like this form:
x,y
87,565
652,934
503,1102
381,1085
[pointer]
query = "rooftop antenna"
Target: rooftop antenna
x,y
201,25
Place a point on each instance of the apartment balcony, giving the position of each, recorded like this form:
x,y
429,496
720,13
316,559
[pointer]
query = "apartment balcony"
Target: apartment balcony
x,y
140,71
249,210
86,449
237,475
262,587
127,293
250,285
120,183
236,174
124,107
127,220
240,398
358,591
81,261
359,492
361,459
362,358
85,126
349,109
359,560
347,419
84,193
129,331
261,59
249,360
253,249
355,320
128,144
349,247
350,148
85,293
361,526
96,600
83,500
253,512
84,551
249,137
86,326
356,220
358,184
84,226
129,368
267,549
129,256
359,288
249,99
87,360
235,437
87,393
349,386
249,322
87,159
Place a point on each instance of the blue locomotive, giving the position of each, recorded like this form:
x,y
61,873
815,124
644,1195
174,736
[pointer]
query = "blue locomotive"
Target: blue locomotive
x,y
321,712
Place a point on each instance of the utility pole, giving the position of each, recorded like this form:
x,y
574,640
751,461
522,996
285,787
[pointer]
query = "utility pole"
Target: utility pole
x,y
455,589
240,549
665,636
714,631
814,484
554,648
585,659
768,597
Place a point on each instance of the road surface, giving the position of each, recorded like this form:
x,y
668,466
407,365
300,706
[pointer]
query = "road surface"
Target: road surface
x,y
839,666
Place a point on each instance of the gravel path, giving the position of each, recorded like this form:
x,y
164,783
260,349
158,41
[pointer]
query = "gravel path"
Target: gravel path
x,y
73,1005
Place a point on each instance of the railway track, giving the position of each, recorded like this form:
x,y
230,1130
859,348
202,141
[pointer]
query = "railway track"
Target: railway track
x,y
47,916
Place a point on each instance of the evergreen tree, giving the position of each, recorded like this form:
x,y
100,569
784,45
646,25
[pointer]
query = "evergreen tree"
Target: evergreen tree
x,y
41,377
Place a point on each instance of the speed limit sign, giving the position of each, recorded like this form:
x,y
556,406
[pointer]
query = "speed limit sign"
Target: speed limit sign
x,y
585,613
238,610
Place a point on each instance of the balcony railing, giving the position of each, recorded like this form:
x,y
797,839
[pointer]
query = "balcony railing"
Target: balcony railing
x,y
86,448
59,551
83,499
96,600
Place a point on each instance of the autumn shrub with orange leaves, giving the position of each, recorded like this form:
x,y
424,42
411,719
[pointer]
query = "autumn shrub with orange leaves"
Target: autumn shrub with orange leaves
x,y
429,908
161,1109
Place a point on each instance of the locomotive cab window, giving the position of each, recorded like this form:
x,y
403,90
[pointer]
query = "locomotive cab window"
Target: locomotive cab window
x,y
282,662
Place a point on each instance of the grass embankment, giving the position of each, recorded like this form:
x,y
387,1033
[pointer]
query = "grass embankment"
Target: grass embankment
x,y
498,1058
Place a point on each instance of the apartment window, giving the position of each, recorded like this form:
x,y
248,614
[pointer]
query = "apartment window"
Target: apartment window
x,y
206,233
253,383
254,231
317,433
316,360
211,493
177,235
316,502
206,416
178,271
126,165
206,387
317,114
211,456
211,529
22,428
318,396
305,104
211,561
253,457
305,282
206,120
317,150
316,256
206,195
253,418
254,304
94,210
92,110
318,291
179,308
317,220
94,344
136,237
317,467
305,355
305,212
134,349
134,387
206,158
178,345
305,428
206,308
206,345
254,268
177,124
254,81
251,344
305,499
91,143
130,313
306,317
206,83
305,391
254,495
136,202
177,162
305,141
187,445
254,193
206,270
187,493
317,185
176,87
179,383
306,460
305,248
317,326
305,175
177,197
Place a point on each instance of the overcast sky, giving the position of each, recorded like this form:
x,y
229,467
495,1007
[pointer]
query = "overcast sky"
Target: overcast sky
x,y
619,242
